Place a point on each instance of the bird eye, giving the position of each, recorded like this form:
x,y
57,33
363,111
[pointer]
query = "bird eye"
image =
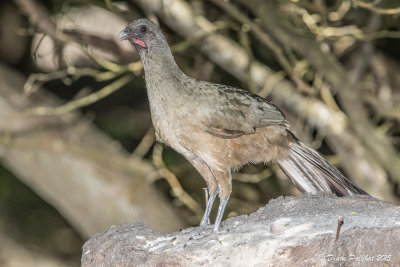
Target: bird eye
x,y
143,29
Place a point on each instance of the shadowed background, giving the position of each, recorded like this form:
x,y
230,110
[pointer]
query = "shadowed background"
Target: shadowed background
x,y
76,144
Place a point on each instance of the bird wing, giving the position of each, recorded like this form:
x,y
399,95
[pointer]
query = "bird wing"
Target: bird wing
x,y
234,112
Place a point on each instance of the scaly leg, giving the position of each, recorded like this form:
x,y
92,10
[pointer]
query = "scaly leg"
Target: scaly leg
x,y
211,182
221,209
204,220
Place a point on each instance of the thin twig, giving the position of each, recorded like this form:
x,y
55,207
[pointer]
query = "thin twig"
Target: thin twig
x,y
81,102
36,80
145,144
190,41
176,187
339,226
266,39
382,11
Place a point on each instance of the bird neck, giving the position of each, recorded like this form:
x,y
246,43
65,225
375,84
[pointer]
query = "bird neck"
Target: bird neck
x,y
160,67
163,80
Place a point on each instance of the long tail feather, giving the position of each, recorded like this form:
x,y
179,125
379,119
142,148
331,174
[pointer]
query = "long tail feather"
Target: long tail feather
x,y
311,173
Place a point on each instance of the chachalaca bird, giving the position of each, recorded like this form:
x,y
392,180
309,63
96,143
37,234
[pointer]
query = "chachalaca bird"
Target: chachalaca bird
x,y
219,128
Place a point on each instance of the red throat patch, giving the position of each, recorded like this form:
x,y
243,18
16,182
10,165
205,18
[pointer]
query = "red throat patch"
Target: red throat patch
x,y
139,42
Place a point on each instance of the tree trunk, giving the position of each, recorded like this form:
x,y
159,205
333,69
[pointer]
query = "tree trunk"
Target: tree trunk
x,y
291,231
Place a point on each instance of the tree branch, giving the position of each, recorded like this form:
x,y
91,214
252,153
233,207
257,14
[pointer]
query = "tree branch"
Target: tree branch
x,y
287,232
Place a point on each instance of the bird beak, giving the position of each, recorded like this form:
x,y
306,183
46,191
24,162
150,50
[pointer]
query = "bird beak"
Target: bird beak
x,y
125,35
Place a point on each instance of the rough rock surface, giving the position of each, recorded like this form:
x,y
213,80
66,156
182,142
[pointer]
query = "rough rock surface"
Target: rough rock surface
x,y
290,231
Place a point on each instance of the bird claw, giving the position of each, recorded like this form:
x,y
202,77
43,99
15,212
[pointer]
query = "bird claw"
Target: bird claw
x,y
207,233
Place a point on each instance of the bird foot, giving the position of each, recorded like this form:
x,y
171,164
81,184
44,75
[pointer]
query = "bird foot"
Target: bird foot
x,y
203,235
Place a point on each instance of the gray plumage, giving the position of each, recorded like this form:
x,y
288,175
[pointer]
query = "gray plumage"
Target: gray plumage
x,y
220,128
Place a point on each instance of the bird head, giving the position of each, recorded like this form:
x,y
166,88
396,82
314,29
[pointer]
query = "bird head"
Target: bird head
x,y
143,34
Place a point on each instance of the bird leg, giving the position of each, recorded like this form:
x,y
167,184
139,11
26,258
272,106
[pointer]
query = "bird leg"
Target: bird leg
x,y
211,182
221,209
204,220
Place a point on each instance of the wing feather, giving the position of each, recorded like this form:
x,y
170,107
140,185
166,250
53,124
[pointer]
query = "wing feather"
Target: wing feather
x,y
234,112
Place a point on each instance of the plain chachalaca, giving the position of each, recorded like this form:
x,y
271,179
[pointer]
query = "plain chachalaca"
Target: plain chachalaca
x,y
219,128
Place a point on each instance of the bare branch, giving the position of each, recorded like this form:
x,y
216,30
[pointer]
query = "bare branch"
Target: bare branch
x,y
176,187
382,11
81,102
